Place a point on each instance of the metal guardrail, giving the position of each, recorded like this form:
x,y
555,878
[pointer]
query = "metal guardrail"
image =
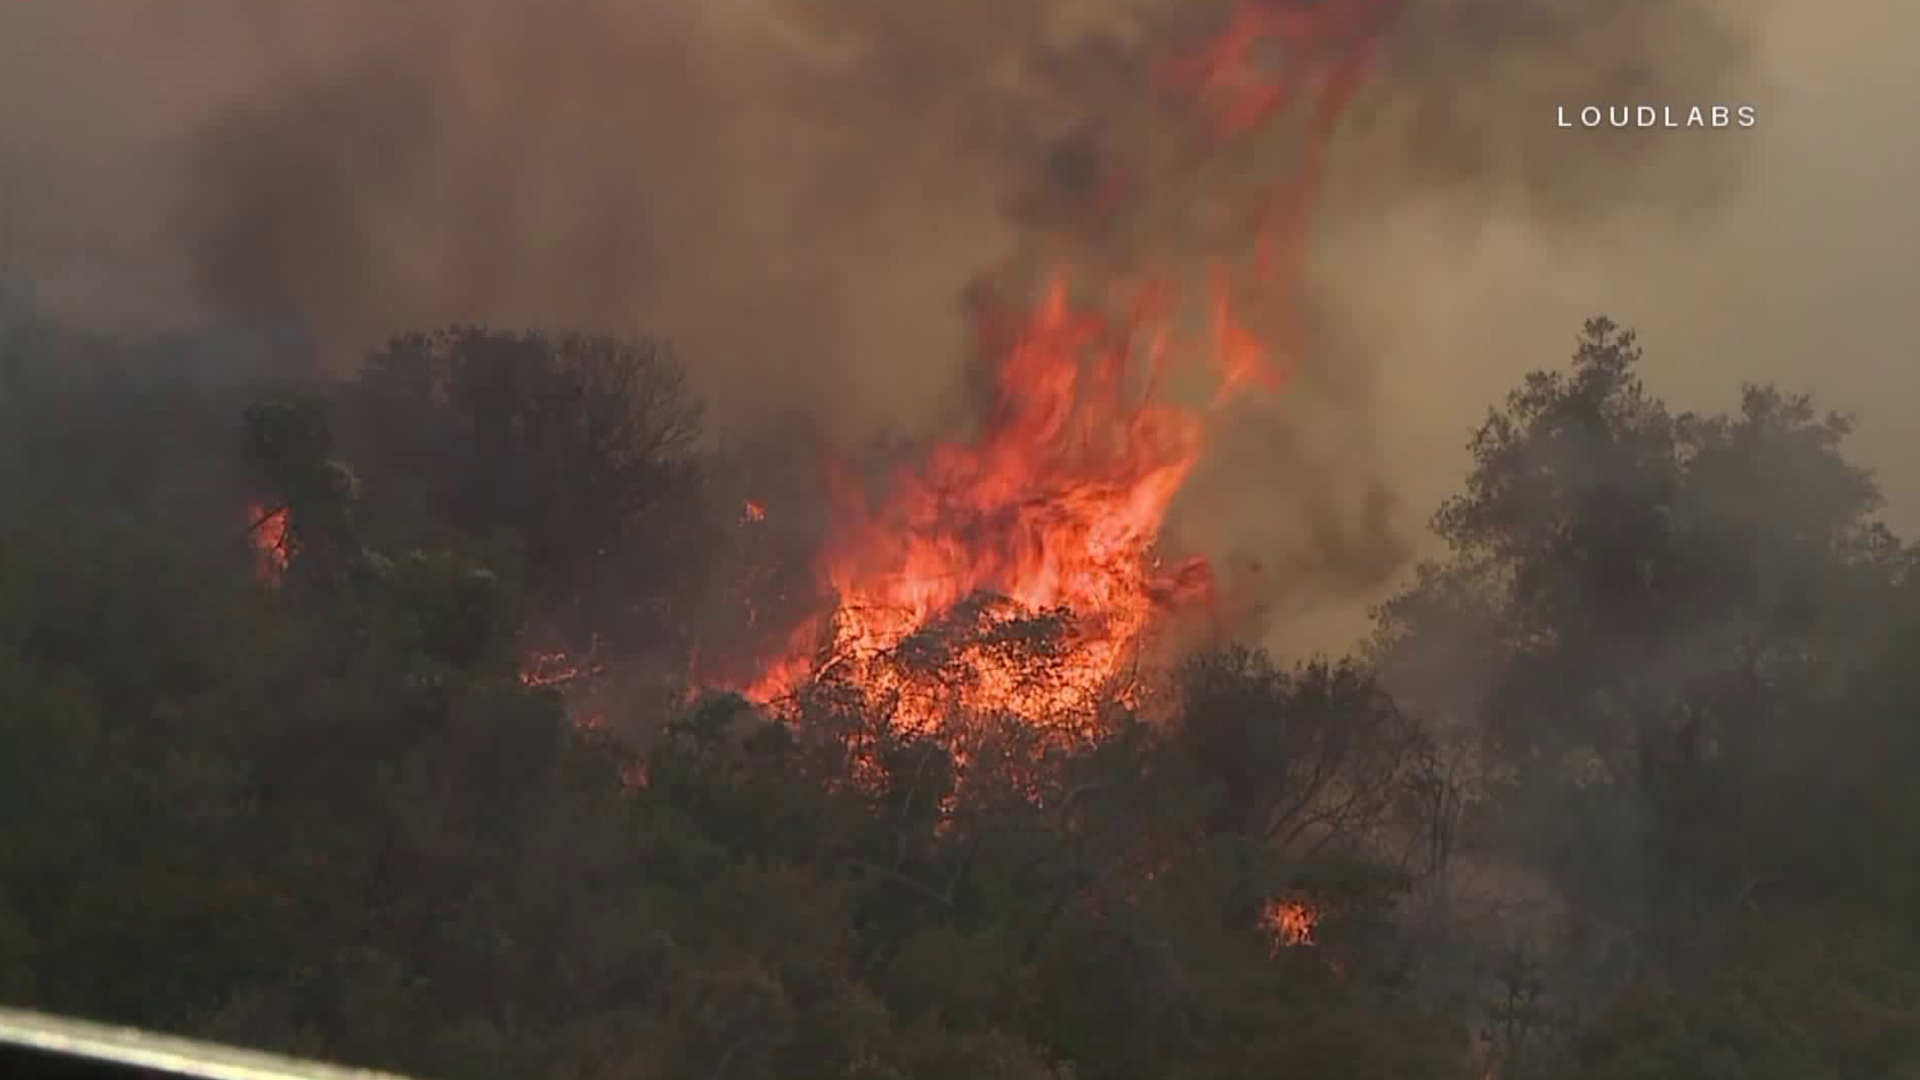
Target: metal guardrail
x,y
85,1048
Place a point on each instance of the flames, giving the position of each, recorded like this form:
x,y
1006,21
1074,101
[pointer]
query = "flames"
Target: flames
x,y
554,668
1017,572
1291,922
570,675
1319,50
272,547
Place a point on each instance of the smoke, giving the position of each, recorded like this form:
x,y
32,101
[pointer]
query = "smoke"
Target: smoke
x,y
799,192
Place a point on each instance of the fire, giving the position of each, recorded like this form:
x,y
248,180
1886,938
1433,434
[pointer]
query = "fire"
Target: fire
x,y
561,671
272,548
1291,923
1018,568
1272,55
1321,47
1018,571
551,669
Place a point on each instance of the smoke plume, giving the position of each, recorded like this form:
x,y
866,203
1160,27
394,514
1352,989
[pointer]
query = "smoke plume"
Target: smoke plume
x,y
800,192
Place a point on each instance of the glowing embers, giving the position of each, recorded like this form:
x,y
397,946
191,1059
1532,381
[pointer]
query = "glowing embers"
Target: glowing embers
x,y
1291,922
268,535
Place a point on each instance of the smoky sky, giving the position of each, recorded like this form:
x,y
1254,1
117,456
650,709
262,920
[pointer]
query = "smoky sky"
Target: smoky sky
x,y
799,193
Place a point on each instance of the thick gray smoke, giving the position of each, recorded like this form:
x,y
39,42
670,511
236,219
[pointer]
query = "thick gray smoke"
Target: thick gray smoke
x,y
799,192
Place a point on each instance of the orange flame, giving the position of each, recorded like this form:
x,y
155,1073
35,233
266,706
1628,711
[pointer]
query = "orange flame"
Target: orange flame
x,y
1056,505
1291,923
548,669
556,668
272,552
1331,42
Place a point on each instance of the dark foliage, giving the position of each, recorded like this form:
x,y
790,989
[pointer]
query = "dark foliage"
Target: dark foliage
x,y
1620,790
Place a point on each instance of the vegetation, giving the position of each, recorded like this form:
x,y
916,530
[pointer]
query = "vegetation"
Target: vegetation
x,y
1619,790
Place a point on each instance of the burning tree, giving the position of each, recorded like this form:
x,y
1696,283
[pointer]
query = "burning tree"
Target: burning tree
x,y
1016,572
1019,571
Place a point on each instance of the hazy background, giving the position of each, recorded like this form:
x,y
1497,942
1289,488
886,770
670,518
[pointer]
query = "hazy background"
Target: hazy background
x,y
798,192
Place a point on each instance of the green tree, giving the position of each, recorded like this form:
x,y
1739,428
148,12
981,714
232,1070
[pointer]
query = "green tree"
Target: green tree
x,y
576,456
1653,628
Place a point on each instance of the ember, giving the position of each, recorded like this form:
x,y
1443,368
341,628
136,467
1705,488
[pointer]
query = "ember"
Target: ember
x,y
272,551
1291,923
549,669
